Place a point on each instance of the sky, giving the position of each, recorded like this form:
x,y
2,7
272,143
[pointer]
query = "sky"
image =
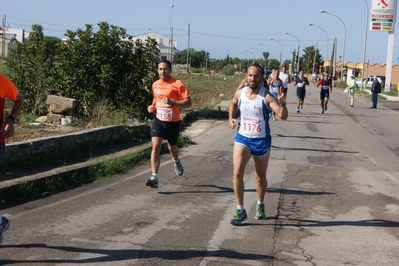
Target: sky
x,y
223,28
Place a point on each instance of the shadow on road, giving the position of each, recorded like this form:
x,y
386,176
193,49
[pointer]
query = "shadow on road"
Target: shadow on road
x,y
112,255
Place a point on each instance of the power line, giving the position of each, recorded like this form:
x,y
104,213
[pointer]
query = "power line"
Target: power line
x,y
155,29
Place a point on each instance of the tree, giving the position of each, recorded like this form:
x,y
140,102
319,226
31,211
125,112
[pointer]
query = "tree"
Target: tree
x,y
93,67
286,63
107,65
311,59
273,63
32,68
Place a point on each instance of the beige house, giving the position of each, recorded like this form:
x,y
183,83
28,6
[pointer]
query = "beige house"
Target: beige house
x,y
374,69
163,44
369,70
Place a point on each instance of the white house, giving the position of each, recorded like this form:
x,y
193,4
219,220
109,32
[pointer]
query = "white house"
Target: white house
x,y
20,34
163,44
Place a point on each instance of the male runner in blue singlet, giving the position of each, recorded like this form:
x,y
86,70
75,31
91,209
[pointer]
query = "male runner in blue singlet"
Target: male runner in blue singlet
x,y
253,137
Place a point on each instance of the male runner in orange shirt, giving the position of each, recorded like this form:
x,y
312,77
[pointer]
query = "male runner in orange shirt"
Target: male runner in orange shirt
x,y
9,91
170,95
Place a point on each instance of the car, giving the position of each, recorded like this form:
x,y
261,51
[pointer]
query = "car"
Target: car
x,y
369,81
267,73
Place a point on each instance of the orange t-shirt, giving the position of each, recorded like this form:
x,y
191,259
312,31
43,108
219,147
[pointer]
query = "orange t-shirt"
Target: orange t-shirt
x,y
173,89
7,90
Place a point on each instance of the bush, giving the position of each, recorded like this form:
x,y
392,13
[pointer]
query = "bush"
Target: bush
x,y
228,70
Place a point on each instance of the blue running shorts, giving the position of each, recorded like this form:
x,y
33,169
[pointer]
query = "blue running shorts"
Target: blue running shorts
x,y
258,147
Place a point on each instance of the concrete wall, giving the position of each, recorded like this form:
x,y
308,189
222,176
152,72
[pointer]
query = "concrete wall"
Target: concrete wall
x,y
59,147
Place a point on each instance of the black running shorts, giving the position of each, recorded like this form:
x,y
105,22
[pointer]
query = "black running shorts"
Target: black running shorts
x,y
167,130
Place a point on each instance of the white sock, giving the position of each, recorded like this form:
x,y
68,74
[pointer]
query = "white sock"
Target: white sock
x,y
175,162
240,207
259,203
154,176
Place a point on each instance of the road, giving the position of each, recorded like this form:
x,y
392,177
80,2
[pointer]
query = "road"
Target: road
x,y
332,199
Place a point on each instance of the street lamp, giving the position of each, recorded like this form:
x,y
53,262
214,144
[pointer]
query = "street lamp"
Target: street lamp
x,y
265,57
244,52
365,42
343,51
287,33
325,63
282,49
258,51
253,56
250,53
261,56
170,33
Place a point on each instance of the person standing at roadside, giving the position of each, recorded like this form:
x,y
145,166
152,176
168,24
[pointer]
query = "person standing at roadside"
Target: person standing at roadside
x,y
170,95
300,81
253,137
375,89
351,87
285,77
9,91
314,78
325,90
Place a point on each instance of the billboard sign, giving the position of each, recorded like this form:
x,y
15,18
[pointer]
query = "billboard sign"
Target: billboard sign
x,y
382,15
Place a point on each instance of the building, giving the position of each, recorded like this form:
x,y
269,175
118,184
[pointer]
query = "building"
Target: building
x,y
163,44
20,34
8,42
10,39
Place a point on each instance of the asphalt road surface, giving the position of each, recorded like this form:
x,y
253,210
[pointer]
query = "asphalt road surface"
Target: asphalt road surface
x,y
332,199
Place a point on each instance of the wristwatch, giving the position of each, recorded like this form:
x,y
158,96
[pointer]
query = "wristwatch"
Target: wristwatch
x,y
13,119
172,103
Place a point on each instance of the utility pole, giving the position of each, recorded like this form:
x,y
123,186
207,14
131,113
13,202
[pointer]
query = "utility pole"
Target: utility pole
x,y
188,47
334,55
3,39
314,59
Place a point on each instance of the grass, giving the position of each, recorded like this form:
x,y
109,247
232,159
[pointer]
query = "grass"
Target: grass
x,y
208,90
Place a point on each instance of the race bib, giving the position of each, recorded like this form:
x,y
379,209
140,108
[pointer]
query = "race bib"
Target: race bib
x,y
300,85
326,87
164,114
251,126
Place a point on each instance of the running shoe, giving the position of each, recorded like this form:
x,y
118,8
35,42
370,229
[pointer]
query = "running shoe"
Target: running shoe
x,y
322,111
325,107
239,217
3,227
260,212
152,182
298,110
178,168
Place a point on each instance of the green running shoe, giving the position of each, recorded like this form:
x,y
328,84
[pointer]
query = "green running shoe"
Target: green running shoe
x,y
239,217
260,212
